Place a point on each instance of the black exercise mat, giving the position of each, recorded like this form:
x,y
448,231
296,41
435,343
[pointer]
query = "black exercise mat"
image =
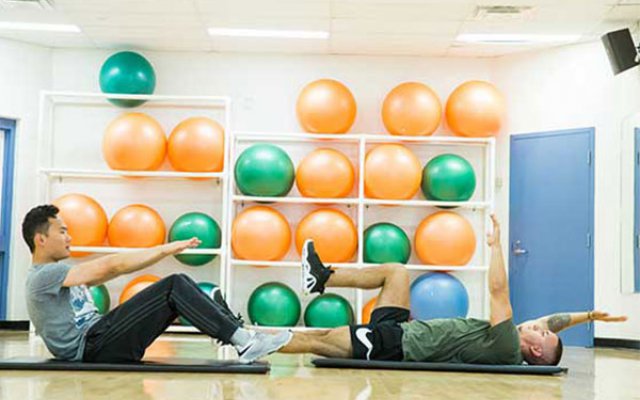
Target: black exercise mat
x,y
159,364
425,366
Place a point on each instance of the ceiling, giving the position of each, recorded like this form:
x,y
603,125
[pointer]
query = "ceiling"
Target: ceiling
x,y
375,27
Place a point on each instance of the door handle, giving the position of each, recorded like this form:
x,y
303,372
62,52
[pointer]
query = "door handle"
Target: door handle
x,y
517,250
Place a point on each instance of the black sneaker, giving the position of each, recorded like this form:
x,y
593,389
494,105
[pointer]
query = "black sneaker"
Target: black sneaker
x,y
314,273
217,296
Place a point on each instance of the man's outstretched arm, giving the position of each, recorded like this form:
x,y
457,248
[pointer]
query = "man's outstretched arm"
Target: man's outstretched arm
x,y
500,304
561,321
105,268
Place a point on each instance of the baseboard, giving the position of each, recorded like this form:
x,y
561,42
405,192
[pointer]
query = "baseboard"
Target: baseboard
x,y
618,343
14,326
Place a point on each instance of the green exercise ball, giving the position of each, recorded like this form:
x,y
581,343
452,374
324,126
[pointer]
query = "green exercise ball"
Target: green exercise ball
x,y
264,170
328,311
202,226
207,288
101,298
385,242
274,304
448,177
127,72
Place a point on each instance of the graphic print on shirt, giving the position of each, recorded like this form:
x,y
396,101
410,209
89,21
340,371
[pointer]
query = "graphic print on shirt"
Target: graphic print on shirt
x,y
82,305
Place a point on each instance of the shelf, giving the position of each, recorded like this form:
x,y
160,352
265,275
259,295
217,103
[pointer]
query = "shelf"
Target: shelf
x,y
283,264
113,174
354,137
411,267
426,203
212,100
182,329
294,200
366,202
109,250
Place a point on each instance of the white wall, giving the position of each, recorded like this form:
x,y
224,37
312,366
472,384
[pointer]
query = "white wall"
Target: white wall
x,y
24,71
573,87
264,89
561,88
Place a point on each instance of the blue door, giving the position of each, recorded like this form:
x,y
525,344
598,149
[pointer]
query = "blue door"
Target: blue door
x,y
551,227
636,212
7,146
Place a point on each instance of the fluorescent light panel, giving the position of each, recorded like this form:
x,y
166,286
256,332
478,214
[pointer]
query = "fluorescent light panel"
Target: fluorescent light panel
x,y
31,26
510,38
268,33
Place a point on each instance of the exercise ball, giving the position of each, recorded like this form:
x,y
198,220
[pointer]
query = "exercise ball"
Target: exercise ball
x,y
391,171
385,243
438,295
329,310
448,177
197,145
326,106
325,173
260,233
85,219
411,109
368,309
136,226
202,226
334,235
475,109
208,289
127,72
445,238
137,285
264,170
274,304
101,298
134,142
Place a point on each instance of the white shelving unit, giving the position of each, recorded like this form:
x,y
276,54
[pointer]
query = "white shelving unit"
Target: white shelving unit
x,y
71,126
482,203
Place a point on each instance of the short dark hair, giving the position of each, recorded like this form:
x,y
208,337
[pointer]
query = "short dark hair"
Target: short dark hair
x,y
557,354
37,221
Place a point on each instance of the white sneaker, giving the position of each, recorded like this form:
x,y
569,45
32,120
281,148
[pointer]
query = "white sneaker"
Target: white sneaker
x,y
262,344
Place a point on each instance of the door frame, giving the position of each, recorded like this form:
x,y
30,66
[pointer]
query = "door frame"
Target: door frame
x,y
590,267
8,129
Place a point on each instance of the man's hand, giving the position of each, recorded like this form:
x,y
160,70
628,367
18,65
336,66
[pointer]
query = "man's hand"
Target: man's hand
x,y
493,239
605,317
180,245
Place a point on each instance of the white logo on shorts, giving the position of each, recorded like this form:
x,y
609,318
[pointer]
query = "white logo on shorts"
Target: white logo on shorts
x,y
361,335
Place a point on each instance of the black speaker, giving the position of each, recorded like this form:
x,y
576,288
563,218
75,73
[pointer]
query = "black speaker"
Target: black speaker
x,y
622,53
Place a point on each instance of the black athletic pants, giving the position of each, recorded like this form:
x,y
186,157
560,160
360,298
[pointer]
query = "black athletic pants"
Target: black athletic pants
x,y
123,334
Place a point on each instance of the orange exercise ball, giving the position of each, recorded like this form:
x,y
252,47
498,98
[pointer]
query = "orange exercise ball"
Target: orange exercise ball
x,y
197,145
334,235
475,109
325,173
137,285
391,171
85,220
411,109
326,106
134,142
136,226
260,233
445,238
368,309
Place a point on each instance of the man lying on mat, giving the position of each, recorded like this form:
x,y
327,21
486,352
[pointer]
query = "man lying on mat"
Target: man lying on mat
x,y
391,336
63,312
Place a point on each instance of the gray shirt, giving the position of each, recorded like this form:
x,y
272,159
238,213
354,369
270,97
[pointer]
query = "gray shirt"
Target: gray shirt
x,y
61,315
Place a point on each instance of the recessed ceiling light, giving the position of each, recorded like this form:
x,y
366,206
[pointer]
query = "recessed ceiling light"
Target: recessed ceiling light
x,y
268,33
510,38
31,26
